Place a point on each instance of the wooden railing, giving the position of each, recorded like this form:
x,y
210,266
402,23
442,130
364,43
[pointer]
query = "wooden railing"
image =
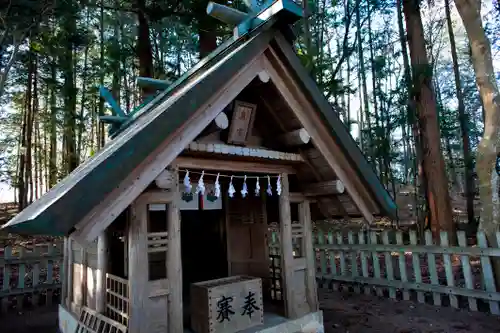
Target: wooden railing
x,y
29,275
117,299
385,264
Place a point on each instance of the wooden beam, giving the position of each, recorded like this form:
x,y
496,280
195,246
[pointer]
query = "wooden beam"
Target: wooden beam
x,y
102,269
298,197
305,221
264,77
237,166
174,264
224,149
70,272
287,263
296,138
138,266
115,107
301,152
320,135
113,119
130,188
65,269
324,188
83,278
153,83
221,122
226,14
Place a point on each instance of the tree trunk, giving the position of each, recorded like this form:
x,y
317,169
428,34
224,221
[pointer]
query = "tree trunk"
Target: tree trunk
x,y
463,120
29,131
144,52
366,105
53,128
434,168
81,122
36,142
489,148
419,182
69,93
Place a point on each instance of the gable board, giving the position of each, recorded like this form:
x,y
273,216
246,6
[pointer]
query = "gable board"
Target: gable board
x,y
316,130
104,214
127,164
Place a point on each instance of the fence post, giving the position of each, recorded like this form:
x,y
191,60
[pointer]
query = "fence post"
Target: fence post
x,y
7,271
469,282
488,277
416,265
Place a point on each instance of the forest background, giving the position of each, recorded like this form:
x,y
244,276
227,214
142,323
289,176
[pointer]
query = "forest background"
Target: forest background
x,y
401,74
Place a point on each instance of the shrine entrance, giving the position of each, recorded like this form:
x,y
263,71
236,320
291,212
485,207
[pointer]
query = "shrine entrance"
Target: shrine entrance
x,y
225,237
203,248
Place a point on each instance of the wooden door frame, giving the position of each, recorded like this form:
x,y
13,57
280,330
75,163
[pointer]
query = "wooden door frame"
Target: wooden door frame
x,y
138,278
288,262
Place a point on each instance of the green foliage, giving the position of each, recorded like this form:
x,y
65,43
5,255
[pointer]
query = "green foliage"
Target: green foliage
x,y
65,39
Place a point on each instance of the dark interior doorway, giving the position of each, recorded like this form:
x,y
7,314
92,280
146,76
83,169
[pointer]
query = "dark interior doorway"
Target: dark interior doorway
x,y
203,246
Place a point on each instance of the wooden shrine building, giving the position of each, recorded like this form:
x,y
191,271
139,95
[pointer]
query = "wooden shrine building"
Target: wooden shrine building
x,y
190,184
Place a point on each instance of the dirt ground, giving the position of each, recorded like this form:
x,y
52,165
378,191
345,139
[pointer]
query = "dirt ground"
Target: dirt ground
x,y
357,313
343,313
40,320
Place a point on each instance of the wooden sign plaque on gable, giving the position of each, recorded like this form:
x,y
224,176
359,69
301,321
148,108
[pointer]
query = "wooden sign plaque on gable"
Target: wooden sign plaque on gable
x,y
241,123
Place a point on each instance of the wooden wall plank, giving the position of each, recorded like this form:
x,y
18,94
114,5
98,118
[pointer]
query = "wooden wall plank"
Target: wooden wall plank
x,y
287,268
388,264
416,266
402,264
448,268
174,265
465,260
487,270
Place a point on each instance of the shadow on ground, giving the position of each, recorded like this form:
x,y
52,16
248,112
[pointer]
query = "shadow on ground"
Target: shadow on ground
x,y
356,313
40,320
343,313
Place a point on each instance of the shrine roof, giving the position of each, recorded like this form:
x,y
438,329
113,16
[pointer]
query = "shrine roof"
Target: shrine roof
x,y
60,209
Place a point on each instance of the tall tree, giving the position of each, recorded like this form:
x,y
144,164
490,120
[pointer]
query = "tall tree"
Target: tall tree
x,y
433,162
488,168
463,120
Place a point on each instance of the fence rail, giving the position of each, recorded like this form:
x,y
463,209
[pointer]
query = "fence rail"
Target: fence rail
x,y
435,273
29,275
387,263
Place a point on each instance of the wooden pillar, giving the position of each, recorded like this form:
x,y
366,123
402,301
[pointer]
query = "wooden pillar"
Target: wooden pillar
x,y
305,221
102,268
138,267
287,268
69,274
174,264
64,276
83,277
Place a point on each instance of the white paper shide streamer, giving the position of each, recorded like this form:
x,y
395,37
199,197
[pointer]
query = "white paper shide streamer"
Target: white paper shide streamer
x,y
257,188
200,188
217,187
278,185
231,189
187,183
269,188
244,190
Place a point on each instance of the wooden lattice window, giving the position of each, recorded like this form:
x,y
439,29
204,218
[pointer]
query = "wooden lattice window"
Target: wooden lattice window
x,y
93,322
157,241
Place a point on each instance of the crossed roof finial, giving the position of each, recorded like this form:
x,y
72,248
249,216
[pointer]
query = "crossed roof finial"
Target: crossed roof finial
x,y
256,14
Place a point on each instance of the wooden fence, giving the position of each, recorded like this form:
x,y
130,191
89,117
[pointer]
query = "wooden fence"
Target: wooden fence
x,y
386,264
29,276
